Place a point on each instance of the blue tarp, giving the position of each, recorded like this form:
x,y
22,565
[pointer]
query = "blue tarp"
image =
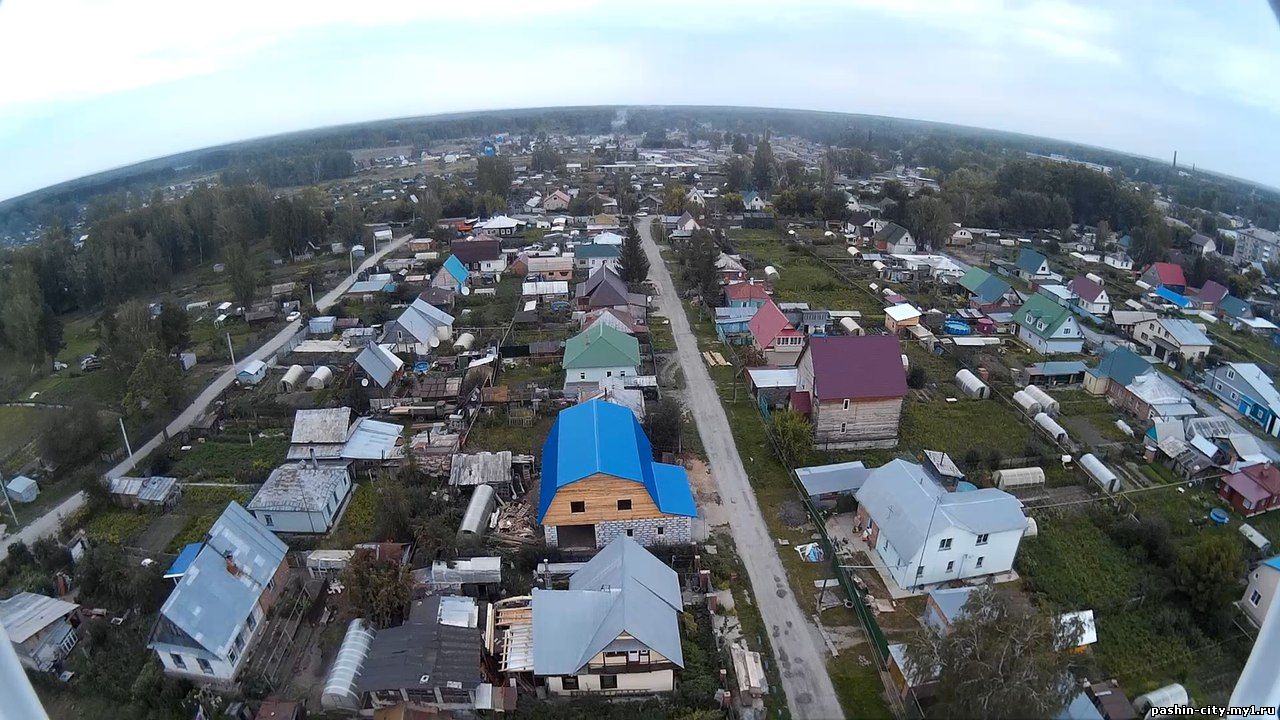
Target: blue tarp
x,y
183,561
601,437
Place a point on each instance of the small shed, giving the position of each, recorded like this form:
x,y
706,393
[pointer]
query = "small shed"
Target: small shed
x,y
476,519
1100,473
252,372
1018,478
1051,428
22,489
901,316
323,325
972,386
292,378
151,491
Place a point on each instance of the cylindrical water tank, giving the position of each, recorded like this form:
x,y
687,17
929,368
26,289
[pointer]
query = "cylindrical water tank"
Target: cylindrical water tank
x,y
1051,428
1026,403
1046,401
320,378
1173,695
464,341
292,377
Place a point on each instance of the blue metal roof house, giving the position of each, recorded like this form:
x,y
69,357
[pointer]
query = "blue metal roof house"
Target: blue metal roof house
x,y
452,275
600,482
218,608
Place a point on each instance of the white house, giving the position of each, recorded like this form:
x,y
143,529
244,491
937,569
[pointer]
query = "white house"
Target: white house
x,y
1118,260
1263,582
210,621
1090,295
302,497
1047,327
251,373
925,535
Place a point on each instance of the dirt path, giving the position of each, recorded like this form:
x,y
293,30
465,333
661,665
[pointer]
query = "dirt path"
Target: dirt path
x,y
797,646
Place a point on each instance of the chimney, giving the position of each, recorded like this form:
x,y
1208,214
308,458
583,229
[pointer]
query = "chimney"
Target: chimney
x,y
314,462
232,568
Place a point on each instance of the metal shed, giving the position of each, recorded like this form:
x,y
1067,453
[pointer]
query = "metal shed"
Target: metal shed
x,y
1051,427
476,519
1026,403
320,379
1100,473
22,489
972,386
292,378
1045,400
340,685
1018,478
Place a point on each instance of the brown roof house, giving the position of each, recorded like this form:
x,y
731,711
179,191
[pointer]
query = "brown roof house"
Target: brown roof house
x,y
851,387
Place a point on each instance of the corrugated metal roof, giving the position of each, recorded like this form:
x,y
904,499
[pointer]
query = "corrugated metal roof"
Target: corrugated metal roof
x,y
184,560
150,490
835,478
372,440
27,613
623,589
321,425
298,486
379,363
601,345
211,601
601,437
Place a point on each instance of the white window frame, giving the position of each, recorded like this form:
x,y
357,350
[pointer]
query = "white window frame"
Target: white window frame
x,y
982,539
944,544
1255,598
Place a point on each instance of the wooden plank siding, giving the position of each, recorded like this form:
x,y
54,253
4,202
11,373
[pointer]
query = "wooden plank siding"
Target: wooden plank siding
x,y
867,423
600,493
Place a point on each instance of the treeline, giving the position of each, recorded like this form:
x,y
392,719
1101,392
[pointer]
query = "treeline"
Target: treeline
x,y
290,170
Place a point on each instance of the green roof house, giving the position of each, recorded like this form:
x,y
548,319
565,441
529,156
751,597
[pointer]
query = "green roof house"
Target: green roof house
x,y
1046,326
601,351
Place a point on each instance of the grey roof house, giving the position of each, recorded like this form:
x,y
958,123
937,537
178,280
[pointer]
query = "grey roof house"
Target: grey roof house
x,y
217,610
302,497
616,629
41,629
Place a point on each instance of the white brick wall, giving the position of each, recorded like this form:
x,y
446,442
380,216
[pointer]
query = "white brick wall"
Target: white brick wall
x,y
676,530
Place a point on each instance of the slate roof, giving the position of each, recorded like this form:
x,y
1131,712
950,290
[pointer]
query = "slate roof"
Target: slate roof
x,y
902,498
153,489
379,363
1039,308
211,602
601,437
622,590
1030,261
1184,331
321,425
857,367
299,487
601,345
419,321
834,478
890,234
604,288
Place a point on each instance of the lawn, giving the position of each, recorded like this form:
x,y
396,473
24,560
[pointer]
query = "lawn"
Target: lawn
x,y
19,428
801,277
231,458
358,521
494,434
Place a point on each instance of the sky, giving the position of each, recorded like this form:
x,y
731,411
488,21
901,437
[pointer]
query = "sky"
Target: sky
x,y
88,85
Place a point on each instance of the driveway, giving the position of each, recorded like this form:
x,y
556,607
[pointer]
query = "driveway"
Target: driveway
x,y
47,524
796,643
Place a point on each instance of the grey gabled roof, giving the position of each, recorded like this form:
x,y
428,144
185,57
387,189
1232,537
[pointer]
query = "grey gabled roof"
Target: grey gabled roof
x,y
299,487
212,600
419,320
902,498
622,590
834,478
321,425
27,613
379,363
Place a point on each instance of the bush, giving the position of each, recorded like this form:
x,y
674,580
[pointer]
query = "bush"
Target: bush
x,y
917,378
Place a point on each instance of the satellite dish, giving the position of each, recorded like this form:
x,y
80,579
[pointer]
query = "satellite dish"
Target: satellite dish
x,y
364,382
465,291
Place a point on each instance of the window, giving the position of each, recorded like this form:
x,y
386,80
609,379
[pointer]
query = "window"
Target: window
x,y
267,520
608,373
335,495
631,533
581,376
578,506
569,682
951,566
1217,386
1231,374
660,530
326,507
844,427
982,539
846,403
181,664
624,504
240,640
1255,597
944,544
980,559
231,655
205,667
919,571
608,682
251,622
1234,396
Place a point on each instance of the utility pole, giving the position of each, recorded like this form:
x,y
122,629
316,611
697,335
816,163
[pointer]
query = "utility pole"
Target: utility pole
x,y
351,260
5,491
231,350
125,433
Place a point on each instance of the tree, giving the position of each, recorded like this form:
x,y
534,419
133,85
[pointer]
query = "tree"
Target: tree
x,y
832,205
739,145
663,425
1000,659
493,175
633,264
929,220
1206,573
794,436
174,331
154,385
128,334
737,174
674,198
241,275
545,159
763,172
377,590
24,313
71,437
699,257
917,378
1101,236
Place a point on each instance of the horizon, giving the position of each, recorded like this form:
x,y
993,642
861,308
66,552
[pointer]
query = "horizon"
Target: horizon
x,y
1071,71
